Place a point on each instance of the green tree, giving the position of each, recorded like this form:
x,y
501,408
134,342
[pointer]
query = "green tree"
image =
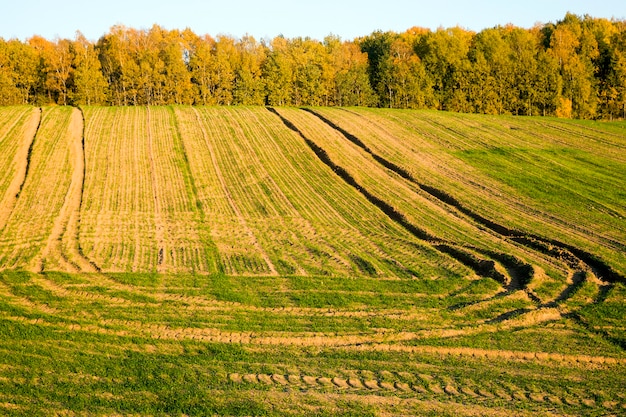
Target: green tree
x,y
406,81
575,48
444,54
377,46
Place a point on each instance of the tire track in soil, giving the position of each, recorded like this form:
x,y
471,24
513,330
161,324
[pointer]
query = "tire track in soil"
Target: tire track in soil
x,y
611,243
426,386
65,225
482,267
576,258
75,222
579,260
380,342
22,162
230,199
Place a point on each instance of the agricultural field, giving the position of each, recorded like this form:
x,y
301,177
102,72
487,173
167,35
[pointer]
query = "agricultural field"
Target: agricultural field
x,y
310,261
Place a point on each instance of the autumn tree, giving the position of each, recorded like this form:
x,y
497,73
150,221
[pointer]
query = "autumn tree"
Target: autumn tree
x,y
445,55
89,85
249,86
9,93
201,67
278,74
350,84
573,68
174,53
405,79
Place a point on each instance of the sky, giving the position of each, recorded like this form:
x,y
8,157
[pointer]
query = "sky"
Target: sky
x,y
347,19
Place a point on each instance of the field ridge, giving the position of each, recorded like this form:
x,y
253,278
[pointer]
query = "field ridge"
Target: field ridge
x,y
284,261
603,271
482,267
21,160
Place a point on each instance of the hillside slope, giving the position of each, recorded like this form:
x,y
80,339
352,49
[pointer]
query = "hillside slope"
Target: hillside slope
x,y
283,261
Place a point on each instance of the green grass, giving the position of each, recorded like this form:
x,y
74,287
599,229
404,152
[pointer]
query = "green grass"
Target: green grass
x,y
378,303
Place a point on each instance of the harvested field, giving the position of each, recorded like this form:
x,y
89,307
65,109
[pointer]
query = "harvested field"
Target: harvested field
x,y
282,261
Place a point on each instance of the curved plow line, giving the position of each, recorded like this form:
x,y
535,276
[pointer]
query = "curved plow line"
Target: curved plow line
x,y
5,291
430,120
204,304
65,225
258,140
21,161
374,342
347,243
377,239
72,294
580,257
230,199
481,267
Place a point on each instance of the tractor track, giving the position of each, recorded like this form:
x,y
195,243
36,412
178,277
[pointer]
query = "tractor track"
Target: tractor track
x,y
22,160
79,248
612,243
63,241
583,264
576,258
416,385
463,254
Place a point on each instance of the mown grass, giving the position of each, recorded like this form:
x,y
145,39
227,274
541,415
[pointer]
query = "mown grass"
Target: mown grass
x,y
116,362
403,326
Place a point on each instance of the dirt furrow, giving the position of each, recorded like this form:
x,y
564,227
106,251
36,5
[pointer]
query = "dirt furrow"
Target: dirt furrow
x,y
65,225
73,228
22,162
481,267
543,245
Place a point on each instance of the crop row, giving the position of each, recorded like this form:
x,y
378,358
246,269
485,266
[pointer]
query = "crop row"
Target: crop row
x,y
29,233
555,178
139,211
238,190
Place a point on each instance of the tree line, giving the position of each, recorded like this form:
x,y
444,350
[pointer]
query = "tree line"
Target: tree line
x,y
573,68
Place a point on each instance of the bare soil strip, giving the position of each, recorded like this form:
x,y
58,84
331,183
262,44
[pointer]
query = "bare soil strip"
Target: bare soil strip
x,y
73,228
21,161
481,267
580,261
231,201
65,225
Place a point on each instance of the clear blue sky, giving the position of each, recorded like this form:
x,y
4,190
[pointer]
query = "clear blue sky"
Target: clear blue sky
x,y
262,19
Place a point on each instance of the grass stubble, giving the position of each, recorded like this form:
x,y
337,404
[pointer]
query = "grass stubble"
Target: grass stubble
x,y
267,283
